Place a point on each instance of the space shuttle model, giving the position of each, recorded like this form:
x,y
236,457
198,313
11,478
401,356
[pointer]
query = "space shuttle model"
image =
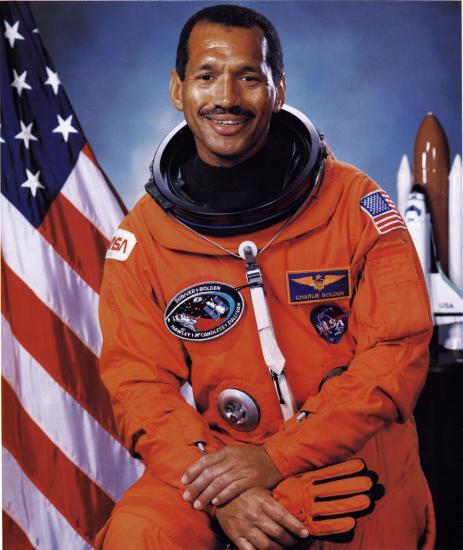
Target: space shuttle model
x,y
430,200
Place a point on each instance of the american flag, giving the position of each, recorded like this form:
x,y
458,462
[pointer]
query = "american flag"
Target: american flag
x,y
63,465
382,210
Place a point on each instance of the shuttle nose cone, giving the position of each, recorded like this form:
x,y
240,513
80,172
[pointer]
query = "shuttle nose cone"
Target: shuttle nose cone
x,y
430,171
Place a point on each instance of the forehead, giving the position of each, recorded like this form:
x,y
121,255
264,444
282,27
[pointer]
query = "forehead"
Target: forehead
x,y
213,41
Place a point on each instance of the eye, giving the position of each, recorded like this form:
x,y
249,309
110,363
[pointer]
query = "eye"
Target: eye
x,y
205,77
249,78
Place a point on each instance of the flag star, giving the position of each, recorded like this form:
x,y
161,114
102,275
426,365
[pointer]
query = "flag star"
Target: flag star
x,y
12,34
1,139
26,134
20,83
36,31
33,182
64,127
53,80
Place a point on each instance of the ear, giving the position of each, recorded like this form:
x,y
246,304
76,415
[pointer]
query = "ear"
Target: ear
x,y
176,90
280,94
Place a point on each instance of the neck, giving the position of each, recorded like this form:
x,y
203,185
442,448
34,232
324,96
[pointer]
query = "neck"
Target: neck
x,y
253,181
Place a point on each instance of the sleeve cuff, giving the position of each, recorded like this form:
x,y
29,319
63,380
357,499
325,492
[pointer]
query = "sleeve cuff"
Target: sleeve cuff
x,y
278,458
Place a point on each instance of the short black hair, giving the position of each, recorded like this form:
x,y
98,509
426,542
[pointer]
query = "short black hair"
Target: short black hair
x,y
230,15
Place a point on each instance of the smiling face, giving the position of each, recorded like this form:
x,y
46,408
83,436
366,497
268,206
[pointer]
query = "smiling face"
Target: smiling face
x,y
228,94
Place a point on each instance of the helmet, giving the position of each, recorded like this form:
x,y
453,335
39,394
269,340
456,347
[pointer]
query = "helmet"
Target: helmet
x,y
303,178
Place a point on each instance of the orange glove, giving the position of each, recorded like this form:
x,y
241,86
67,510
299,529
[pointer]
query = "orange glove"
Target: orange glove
x,y
327,500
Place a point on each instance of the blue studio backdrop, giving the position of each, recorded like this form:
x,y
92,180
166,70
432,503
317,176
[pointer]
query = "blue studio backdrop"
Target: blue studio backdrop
x,y
365,72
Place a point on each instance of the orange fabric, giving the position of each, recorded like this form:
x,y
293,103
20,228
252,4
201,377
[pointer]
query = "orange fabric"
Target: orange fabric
x,y
367,410
151,516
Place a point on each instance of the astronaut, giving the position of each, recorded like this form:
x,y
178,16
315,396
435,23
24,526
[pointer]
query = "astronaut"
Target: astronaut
x,y
283,286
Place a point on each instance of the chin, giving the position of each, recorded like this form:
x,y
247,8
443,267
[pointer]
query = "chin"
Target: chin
x,y
233,150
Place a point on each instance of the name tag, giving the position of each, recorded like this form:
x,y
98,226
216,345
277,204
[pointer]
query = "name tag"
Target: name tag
x,y
318,286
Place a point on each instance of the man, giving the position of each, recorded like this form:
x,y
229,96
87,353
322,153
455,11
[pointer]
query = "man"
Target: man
x,y
284,287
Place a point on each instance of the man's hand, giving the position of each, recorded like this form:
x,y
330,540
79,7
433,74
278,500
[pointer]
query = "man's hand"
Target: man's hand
x,y
254,520
220,476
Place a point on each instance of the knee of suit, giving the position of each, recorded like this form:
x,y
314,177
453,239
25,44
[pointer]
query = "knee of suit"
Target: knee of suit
x,y
153,515
127,530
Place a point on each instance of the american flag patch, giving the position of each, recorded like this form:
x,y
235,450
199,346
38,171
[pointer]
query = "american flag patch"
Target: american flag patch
x,y
382,210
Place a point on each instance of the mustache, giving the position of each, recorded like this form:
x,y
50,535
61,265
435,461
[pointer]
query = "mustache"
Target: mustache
x,y
237,111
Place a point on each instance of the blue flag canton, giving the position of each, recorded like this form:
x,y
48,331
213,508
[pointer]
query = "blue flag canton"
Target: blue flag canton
x,y
375,204
41,138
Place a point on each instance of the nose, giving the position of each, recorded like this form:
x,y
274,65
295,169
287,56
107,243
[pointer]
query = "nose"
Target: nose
x,y
227,92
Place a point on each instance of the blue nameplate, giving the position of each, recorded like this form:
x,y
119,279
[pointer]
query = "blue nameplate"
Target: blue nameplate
x,y
318,286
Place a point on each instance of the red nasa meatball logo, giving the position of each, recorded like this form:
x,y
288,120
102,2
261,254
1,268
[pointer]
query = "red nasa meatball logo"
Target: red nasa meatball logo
x,y
204,311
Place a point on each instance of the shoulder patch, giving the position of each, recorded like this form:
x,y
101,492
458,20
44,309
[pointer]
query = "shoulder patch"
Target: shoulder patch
x,y
383,212
121,245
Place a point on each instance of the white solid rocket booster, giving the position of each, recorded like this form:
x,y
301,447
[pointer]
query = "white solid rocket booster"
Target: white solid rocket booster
x,y
454,340
419,225
404,184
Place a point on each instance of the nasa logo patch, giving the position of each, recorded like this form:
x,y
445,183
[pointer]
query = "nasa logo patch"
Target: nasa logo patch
x,y
121,245
330,322
204,311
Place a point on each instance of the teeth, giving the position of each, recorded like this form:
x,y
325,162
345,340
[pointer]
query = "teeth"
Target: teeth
x,y
227,122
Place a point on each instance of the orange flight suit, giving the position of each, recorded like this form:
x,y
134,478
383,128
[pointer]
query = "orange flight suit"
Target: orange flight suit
x,y
383,339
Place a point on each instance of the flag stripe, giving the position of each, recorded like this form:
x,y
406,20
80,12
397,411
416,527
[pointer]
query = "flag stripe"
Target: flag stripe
x,y
397,223
392,228
387,216
87,150
44,526
69,362
50,470
76,240
389,220
13,536
62,418
86,189
72,300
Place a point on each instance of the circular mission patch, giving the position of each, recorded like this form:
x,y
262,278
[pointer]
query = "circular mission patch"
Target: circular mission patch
x,y
204,311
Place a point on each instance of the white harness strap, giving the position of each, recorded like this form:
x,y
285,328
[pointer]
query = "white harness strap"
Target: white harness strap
x,y
271,352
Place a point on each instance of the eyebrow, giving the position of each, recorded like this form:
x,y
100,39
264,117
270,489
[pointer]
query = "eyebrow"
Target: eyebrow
x,y
249,69
205,67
